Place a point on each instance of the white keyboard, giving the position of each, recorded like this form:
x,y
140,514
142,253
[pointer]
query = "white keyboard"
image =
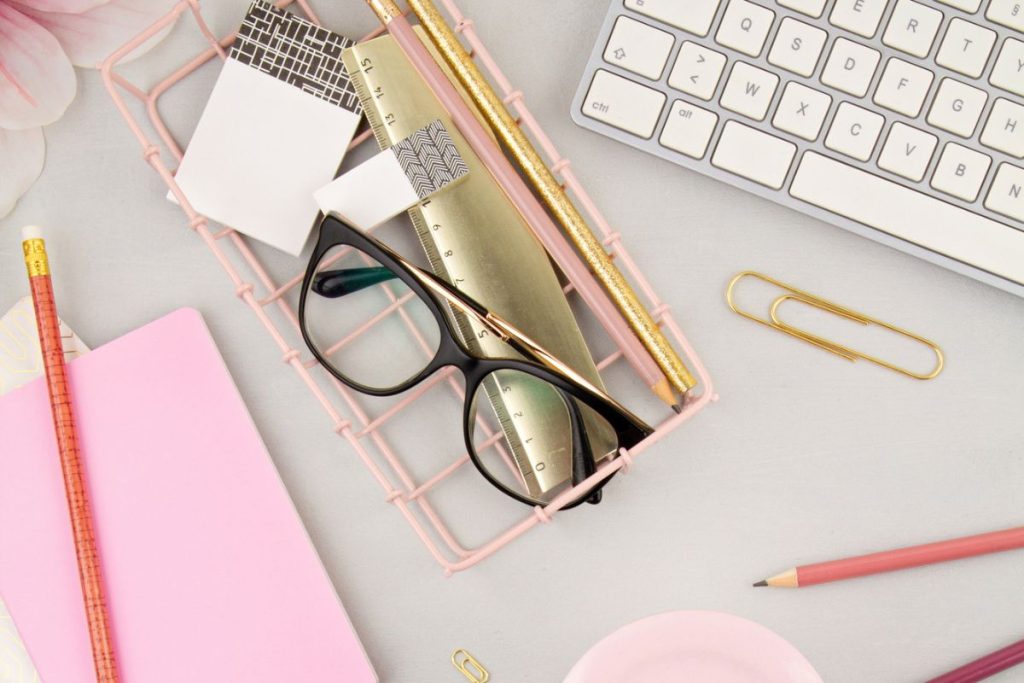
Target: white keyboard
x,y
901,120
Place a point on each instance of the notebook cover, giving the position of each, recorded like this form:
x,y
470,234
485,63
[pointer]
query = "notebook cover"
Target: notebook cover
x,y
209,571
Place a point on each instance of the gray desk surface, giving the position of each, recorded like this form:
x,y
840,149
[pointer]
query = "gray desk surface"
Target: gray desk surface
x,y
804,458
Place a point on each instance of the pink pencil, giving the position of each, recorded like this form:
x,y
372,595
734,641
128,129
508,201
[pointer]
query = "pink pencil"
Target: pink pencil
x,y
527,204
989,665
903,558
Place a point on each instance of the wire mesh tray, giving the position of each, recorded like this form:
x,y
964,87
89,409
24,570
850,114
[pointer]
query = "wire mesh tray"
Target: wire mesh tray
x,y
433,496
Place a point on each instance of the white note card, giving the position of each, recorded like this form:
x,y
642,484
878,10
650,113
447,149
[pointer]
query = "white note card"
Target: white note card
x,y
275,129
21,361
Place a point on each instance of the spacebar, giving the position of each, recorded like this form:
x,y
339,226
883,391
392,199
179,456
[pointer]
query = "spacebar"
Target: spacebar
x,y
910,215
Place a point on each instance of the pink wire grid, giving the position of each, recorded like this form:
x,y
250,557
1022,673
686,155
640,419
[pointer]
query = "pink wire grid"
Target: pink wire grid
x,y
345,409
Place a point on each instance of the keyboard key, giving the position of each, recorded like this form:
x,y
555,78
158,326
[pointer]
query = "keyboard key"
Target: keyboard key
x,y
624,104
754,155
966,47
802,111
688,129
797,47
907,151
858,16
965,5
961,172
1008,73
850,67
914,216
1007,12
1005,128
957,107
639,48
694,16
903,87
697,70
812,8
749,91
912,28
745,27
854,131
1006,196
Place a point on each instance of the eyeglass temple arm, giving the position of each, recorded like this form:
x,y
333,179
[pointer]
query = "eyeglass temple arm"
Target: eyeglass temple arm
x,y
350,280
334,284
337,283
517,339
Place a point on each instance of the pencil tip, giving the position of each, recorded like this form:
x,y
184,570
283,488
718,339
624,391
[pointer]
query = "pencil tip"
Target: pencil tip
x,y
760,583
678,407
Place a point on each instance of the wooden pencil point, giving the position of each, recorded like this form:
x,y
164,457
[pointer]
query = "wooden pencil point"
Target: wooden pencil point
x,y
901,558
760,583
787,579
663,390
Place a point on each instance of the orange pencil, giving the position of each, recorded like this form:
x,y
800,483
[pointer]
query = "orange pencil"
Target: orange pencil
x,y
903,558
48,325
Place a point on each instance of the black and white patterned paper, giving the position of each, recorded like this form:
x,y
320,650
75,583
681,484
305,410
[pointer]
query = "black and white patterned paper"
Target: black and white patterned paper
x,y
429,159
297,52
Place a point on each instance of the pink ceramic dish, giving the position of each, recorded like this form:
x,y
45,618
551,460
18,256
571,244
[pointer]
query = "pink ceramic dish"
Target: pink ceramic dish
x,y
697,647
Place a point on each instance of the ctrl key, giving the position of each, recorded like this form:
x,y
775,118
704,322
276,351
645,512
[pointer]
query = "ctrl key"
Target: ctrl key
x,y
624,104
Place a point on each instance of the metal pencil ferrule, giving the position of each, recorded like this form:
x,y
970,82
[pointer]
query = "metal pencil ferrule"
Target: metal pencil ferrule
x,y
36,261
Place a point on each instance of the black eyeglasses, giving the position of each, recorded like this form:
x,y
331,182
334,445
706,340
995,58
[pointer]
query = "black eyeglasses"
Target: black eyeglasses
x,y
416,324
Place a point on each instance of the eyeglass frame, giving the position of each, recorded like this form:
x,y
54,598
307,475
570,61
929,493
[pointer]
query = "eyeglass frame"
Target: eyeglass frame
x,y
452,352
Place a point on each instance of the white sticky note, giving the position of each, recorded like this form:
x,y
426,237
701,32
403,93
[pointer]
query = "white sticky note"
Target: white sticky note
x,y
396,179
275,129
370,194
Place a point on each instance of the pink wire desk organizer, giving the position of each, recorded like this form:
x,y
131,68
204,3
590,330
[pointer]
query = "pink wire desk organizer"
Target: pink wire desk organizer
x,y
419,499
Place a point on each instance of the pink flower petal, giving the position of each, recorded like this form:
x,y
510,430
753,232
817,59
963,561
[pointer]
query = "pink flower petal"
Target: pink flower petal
x,y
21,161
90,37
67,6
37,82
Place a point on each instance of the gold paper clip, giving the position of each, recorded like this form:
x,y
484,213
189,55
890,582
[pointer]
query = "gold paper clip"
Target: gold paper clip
x,y
834,308
473,670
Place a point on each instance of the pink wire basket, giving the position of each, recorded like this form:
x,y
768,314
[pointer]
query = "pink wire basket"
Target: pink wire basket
x,y
428,500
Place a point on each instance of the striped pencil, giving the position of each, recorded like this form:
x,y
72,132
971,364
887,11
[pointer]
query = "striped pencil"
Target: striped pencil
x,y
86,555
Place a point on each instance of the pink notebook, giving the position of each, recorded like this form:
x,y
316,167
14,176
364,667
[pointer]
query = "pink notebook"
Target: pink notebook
x,y
209,571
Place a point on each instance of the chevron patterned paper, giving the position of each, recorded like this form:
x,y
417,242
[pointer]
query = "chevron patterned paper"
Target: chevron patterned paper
x,y
429,159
